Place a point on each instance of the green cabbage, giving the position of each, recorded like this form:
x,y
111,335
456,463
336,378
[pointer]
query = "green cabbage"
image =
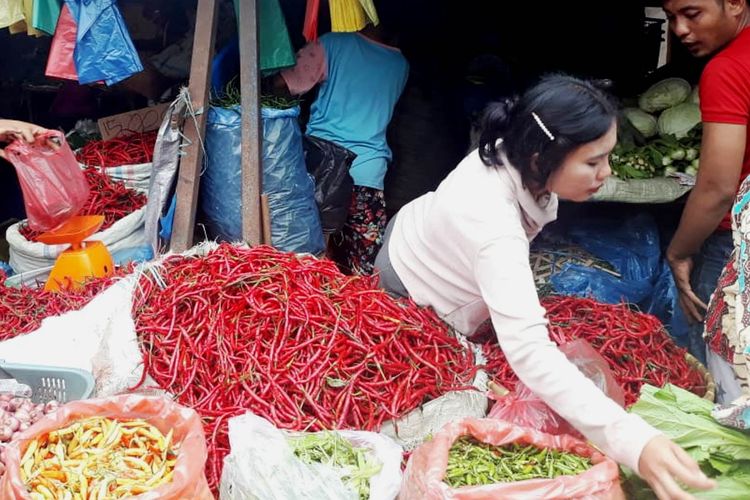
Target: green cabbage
x,y
679,120
695,96
664,94
642,121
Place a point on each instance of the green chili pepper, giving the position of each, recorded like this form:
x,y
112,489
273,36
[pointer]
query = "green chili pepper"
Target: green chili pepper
x,y
357,465
471,463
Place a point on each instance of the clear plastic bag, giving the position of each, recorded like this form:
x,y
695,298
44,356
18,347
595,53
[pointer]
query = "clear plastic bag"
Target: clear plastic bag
x,y
189,480
523,407
423,477
263,465
53,185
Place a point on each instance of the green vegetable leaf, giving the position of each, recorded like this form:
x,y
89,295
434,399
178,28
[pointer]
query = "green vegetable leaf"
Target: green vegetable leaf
x,y
686,419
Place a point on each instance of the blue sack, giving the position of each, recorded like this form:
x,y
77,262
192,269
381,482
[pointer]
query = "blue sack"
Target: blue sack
x,y
104,50
295,222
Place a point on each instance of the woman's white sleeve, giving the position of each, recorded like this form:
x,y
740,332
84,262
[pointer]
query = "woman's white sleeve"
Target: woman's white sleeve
x,y
504,276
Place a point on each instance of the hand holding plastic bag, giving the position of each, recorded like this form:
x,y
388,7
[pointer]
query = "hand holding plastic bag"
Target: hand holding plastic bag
x,y
523,407
188,481
53,185
423,478
263,465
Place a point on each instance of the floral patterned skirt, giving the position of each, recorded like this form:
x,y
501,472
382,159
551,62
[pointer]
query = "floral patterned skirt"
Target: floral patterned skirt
x,y
355,247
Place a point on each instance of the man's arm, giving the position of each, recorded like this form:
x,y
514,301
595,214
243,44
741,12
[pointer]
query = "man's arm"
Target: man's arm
x,y
722,153
310,70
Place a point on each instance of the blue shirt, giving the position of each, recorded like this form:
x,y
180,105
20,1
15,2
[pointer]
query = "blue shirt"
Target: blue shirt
x,y
356,100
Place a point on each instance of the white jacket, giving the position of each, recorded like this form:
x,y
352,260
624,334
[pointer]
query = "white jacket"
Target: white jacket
x,y
464,250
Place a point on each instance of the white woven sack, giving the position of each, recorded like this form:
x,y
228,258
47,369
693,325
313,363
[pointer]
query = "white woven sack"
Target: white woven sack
x,y
26,255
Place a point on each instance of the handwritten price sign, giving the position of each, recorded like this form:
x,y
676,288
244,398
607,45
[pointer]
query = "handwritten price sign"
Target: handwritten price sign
x,y
141,120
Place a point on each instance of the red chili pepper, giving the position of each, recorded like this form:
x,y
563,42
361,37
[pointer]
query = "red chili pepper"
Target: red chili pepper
x,y
636,345
292,339
23,309
107,197
128,150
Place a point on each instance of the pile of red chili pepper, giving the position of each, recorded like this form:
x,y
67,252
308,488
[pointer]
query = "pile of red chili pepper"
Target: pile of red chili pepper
x,y
23,309
108,197
126,150
636,345
292,339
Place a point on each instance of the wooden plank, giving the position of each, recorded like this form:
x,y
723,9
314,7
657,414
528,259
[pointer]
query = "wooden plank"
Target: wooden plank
x,y
252,180
188,180
265,210
140,120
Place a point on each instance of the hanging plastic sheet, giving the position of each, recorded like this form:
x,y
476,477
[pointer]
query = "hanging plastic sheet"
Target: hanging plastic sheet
x,y
276,50
44,15
104,49
28,14
161,200
60,63
11,11
347,16
310,29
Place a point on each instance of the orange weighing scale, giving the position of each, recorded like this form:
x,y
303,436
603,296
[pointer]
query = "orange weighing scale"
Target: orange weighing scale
x,y
84,259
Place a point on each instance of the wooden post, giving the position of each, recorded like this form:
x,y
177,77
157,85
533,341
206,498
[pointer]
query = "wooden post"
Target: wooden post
x,y
252,179
188,180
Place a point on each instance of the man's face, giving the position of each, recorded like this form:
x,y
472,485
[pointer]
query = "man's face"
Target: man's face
x,y
703,26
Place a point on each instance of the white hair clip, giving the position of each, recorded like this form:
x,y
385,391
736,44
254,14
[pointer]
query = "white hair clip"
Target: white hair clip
x,y
542,126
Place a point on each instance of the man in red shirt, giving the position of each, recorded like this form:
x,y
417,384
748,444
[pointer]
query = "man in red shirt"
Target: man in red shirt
x,y
703,241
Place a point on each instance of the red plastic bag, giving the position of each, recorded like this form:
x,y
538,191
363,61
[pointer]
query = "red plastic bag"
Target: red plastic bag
x,y
60,62
53,184
423,478
525,408
310,29
188,481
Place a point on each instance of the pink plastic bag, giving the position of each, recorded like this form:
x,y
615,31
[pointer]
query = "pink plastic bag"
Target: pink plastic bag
x,y
60,62
423,478
53,184
525,408
189,479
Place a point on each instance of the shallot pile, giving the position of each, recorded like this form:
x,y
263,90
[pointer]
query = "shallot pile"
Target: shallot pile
x,y
17,415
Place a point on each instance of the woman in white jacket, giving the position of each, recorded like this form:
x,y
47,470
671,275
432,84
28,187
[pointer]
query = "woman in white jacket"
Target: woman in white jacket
x,y
464,250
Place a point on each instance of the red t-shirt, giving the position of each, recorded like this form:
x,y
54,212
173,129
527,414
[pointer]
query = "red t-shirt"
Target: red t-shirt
x,y
725,94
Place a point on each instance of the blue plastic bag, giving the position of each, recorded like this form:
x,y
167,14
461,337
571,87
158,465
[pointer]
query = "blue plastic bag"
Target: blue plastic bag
x,y
295,223
104,50
664,303
632,246
166,222
133,254
582,281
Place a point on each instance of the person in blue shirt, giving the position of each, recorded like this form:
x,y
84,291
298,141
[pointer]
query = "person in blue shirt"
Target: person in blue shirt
x,y
361,77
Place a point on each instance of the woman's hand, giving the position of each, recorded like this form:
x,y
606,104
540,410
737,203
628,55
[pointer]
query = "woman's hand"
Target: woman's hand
x,y
663,463
13,129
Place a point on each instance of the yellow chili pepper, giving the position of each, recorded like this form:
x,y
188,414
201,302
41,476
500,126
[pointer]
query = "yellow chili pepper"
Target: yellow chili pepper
x,y
97,459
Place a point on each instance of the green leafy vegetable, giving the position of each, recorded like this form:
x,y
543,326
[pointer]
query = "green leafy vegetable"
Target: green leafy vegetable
x,y
722,452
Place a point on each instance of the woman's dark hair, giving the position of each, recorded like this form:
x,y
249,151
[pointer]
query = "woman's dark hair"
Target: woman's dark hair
x,y
571,112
